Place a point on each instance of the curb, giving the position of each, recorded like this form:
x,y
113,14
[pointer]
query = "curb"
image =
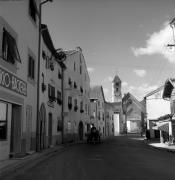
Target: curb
x,y
32,160
159,148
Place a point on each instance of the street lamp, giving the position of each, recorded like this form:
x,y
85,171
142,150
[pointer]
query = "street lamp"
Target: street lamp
x,y
38,75
172,25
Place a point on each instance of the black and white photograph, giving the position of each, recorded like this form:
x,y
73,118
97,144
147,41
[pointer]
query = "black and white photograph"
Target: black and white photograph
x,y
87,90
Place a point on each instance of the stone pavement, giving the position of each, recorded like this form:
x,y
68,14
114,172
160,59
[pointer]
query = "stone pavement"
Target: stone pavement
x,y
10,165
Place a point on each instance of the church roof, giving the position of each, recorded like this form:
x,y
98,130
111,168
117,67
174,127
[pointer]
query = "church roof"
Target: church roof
x,y
96,92
116,79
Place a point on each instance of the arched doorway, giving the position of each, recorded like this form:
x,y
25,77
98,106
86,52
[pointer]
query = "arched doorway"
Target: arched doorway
x,y
42,127
80,130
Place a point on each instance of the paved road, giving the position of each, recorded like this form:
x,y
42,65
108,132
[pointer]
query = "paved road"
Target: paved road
x,y
118,158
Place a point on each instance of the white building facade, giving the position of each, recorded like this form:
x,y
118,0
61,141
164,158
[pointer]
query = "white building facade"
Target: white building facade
x,y
76,96
50,121
99,103
18,77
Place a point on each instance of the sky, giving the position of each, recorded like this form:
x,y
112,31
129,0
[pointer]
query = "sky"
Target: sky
x,y
124,37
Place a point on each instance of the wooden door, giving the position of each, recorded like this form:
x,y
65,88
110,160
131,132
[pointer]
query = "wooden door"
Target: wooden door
x,y
50,129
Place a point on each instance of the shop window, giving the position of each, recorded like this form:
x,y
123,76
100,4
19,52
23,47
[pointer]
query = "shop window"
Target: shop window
x,y
31,68
51,93
32,10
3,121
9,48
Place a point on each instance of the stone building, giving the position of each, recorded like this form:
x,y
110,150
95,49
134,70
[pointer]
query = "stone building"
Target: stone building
x,y
156,107
50,121
76,96
117,105
98,108
135,113
18,77
109,119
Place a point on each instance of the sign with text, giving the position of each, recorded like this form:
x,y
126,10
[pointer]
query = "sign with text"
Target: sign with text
x,y
13,83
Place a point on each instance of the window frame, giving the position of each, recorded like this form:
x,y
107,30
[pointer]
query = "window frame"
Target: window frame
x,y
10,51
51,93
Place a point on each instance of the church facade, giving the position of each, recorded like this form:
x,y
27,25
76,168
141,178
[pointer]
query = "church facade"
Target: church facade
x,y
118,119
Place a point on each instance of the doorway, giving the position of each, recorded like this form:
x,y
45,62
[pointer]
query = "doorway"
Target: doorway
x,y
15,140
28,128
50,130
42,128
80,129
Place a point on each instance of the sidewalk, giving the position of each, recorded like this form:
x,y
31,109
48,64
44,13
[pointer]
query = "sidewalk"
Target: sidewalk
x,y
162,146
11,165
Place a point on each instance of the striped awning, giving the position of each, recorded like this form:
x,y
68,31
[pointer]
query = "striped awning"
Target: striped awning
x,y
163,126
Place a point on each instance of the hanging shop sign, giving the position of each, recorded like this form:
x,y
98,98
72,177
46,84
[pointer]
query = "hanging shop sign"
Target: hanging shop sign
x,y
13,83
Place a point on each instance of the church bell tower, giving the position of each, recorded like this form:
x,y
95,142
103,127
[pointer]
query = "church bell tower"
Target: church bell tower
x,y
116,89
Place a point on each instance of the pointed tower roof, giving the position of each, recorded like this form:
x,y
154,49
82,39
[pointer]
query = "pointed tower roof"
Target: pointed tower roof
x,y
116,79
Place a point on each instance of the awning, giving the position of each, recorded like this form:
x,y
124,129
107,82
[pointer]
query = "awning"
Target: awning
x,y
163,126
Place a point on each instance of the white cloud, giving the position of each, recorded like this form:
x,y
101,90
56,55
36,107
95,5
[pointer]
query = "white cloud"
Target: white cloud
x,y
108,79
140,91
90,69
124,84
157,44
140,72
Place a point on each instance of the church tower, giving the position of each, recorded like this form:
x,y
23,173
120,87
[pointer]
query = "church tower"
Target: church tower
x,y
116,89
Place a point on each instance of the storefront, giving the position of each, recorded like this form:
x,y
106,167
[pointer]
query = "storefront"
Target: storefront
x,y
13,90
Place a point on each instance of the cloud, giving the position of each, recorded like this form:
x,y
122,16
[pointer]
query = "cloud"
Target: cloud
x,y
157,44
140,72
140,91
124,84
90,69
108,79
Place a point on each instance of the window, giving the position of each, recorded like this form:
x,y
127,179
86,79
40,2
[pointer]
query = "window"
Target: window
x,y
51,93
9,48
43,54
3,121
59,99
74,66
31,68
69,102
59,125
81,107
59,74
47,62
75,105
86,110
99,115
32,10
70,82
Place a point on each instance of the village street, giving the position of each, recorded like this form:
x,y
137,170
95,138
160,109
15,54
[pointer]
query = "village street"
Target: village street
x,y
122,157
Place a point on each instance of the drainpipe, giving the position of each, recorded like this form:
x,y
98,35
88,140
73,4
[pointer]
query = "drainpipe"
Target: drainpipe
x,y
62,111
